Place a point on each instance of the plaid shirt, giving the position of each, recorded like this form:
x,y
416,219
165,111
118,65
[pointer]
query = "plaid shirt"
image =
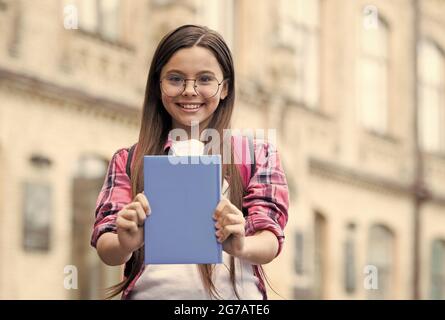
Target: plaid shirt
x,y
266,199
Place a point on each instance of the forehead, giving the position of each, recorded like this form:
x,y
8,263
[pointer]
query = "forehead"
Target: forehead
x,y
192,61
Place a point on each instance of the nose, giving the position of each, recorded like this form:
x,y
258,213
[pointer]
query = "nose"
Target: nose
x,y
189,90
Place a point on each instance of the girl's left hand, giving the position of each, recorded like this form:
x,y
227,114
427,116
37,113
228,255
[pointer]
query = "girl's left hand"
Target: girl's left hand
x,y
230,227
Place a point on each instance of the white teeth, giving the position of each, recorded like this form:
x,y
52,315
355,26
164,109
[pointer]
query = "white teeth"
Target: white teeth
x,y
190,106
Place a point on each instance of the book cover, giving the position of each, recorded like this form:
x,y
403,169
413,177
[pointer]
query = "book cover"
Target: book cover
x,y
183,192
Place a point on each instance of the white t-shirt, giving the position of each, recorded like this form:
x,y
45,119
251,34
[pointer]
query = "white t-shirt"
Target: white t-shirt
x,y
183,281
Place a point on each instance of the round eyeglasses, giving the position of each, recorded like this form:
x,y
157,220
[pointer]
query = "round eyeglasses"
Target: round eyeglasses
x,y
206,86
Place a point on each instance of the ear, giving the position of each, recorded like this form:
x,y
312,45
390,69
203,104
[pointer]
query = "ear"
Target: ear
x,y
224,91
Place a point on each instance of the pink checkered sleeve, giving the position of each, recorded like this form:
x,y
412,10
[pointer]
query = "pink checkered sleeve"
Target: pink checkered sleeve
x,y
267,198
114,195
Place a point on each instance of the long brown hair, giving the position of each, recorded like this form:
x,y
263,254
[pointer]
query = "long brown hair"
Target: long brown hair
x,y
156,124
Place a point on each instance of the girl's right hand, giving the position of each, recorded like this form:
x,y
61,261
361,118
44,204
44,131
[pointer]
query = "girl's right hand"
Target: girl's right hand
x,y
130,223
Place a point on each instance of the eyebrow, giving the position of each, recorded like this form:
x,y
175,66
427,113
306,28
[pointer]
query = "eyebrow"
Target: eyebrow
x,y
179,71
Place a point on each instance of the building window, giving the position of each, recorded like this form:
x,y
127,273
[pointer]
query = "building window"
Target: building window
x,y
320,254
300,28
299,266
88,15
373,77
37,206
100,17
438,270
36,216
89,176
219,16
381,255
109,18
349,259
3,5
431,71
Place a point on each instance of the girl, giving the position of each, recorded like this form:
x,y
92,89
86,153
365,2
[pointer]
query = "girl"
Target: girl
x,y
191,80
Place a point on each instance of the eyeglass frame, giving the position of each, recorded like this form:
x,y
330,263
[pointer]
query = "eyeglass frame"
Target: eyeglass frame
x,y
194,87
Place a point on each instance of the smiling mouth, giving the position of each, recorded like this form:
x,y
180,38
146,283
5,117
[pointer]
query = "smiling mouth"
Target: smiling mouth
x,y
190,106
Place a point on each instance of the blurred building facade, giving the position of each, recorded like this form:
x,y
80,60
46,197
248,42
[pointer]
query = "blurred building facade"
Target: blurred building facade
x,y
341,82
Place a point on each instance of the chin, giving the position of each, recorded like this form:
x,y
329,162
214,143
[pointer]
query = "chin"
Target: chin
x,y
188,122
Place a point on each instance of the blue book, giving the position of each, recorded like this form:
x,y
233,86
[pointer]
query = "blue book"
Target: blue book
x,y
183,192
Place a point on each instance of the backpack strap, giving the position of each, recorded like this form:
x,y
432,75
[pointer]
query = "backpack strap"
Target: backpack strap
x,y
129,159
252,157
